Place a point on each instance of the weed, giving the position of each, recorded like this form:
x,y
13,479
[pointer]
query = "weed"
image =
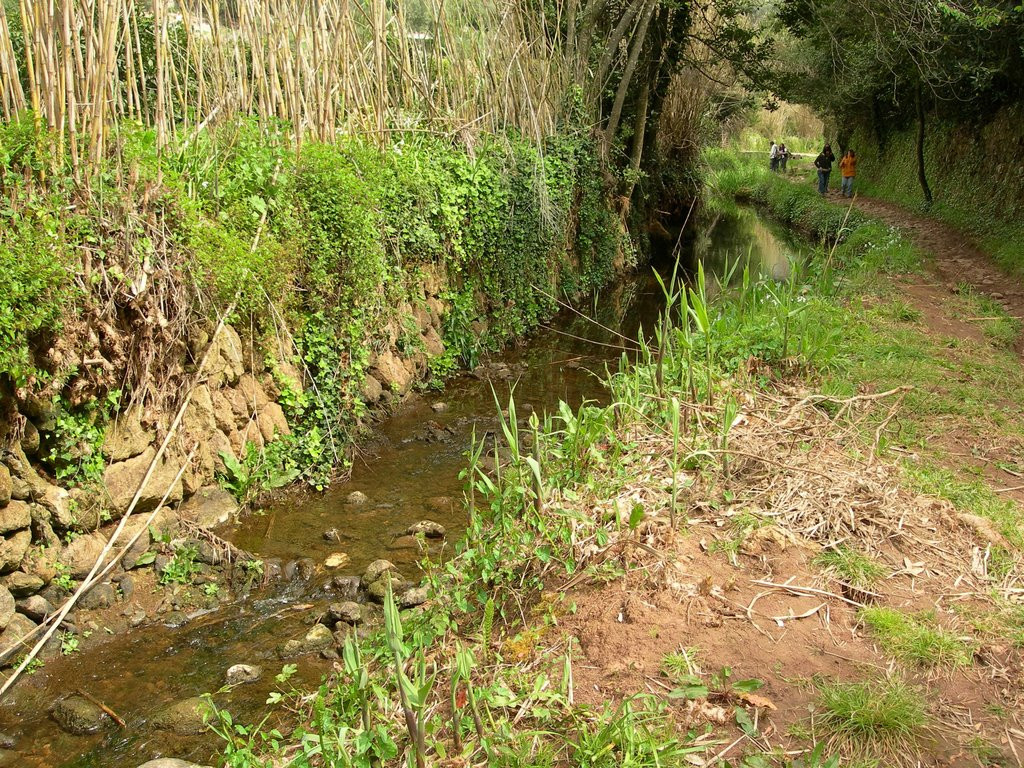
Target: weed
x,y
883,718
851,567
182,566
681,664
916,639
63,578
68,643
902,312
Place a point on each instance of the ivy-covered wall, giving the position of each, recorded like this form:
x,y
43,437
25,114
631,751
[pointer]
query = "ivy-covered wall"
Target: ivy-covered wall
x,y
108,297
974,171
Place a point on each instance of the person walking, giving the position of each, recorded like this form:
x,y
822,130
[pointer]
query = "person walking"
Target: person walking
x,y
783,157
823,163
848,169
773,157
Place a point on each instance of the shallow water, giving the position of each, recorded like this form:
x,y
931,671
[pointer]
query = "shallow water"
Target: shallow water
x,y
418,456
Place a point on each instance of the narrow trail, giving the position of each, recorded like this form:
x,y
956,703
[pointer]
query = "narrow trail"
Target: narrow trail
x,y
956,259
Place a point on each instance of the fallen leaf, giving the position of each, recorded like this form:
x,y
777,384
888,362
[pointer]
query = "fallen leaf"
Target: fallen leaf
x,y
762,702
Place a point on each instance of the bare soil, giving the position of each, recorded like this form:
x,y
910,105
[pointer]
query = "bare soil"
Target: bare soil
x,y
955,258
692,595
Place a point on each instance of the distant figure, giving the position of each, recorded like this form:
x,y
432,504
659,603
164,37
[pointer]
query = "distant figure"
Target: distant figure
x,y
848,169
823,163
783,157
773,156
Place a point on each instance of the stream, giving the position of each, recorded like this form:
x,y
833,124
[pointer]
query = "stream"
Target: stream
x,y
412,463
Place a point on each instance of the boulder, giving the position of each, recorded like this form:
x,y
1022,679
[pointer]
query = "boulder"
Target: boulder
x,y
126,437
30,439
38,568
250,433
255,398
18,627
6,607
376,569
219,443
318,638
240,407
26,484
123,478
223,415
79,716
68,509
127,586
171,762
239,674
432,342
200,416
288,377
140,547
356,497
36,607
209,507
378,589
347,611
302,569
21,584
372,389
439,407
186,717
428,528
5,485
272,421
224,360
346,586
412,597
80,555
101,596
16,515
392,373
13,548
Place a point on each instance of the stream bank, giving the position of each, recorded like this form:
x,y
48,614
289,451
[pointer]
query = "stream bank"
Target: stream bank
x,y
745,553
407,474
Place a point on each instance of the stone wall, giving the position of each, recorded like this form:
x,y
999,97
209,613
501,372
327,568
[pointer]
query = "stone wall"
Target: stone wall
x,y
49,533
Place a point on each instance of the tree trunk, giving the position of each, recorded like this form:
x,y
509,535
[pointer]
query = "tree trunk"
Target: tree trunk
x,y
627,75
608,56
922,177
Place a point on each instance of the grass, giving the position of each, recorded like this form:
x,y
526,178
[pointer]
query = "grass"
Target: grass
x,y
966,387
883,719
851,567
917,640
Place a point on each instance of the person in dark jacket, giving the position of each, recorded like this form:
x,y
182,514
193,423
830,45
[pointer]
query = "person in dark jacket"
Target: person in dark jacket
x,y
823,163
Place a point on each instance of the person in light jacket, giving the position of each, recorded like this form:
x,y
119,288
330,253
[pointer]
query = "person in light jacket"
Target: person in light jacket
x,y
773,157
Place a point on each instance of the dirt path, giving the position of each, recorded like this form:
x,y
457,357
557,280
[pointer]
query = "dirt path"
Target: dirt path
x,y
956,259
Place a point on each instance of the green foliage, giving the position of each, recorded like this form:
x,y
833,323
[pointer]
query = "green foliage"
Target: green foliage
x,y
917,639
976,192
182,567
261,469
873,719
851,567
76,454
36,264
